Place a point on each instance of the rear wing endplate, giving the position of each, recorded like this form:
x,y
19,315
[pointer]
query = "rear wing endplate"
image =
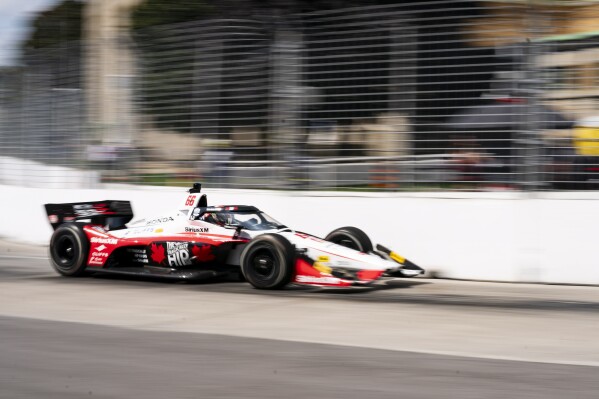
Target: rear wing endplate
x,y
109,212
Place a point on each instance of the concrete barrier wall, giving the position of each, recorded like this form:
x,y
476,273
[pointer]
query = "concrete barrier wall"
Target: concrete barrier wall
x,y
502,236
29,173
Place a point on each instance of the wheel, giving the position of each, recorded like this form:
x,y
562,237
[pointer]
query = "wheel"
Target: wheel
x,y
267,262
350,237
69,249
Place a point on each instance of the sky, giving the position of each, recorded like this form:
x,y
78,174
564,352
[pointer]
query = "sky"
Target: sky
x,y
15,16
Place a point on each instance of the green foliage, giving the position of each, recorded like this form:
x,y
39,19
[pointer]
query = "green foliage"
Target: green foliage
x,y
161,12
57,25
167,82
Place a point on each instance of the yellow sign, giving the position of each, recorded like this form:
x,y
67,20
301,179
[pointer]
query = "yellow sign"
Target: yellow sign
x,y
586,140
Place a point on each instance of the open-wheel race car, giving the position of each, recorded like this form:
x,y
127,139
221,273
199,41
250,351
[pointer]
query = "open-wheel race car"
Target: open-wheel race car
x,y
200,241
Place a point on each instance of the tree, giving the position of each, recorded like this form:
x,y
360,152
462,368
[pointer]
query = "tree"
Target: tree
x,y
185,70
160,12
57,25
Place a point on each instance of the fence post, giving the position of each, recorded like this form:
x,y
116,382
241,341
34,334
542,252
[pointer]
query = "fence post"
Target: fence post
x,y
286,93
532,135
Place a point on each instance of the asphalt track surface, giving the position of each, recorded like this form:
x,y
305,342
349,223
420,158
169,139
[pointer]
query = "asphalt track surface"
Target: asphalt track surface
x,y
129,338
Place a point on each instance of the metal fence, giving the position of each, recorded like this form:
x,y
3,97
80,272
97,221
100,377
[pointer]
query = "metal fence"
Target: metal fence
x,y
413,96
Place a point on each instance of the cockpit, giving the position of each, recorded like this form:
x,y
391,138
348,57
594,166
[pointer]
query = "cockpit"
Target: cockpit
x,y
245,217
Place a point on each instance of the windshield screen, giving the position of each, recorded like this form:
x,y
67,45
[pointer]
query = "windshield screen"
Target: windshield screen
x,y
247,220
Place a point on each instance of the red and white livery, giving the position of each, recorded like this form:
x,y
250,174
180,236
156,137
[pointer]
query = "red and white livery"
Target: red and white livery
x,y
200,241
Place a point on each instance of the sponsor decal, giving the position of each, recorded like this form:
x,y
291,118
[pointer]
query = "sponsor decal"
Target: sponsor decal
x,y
138,230
196,229
53,218
101,247
100,254
190,200
398,258
160,230
96,260
178,254
317,280
136,251
157,253
86,210
323,258
322,268
160,220
138,255
100,240
203,253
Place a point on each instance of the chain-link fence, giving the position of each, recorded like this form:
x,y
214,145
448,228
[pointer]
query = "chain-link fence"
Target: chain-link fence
x,y
413,96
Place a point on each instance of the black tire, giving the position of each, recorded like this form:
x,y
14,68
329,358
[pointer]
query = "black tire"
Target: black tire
x,y
351,237
267,262
69,249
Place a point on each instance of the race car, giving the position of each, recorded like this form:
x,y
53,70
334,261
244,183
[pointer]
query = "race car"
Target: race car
x,y
199,241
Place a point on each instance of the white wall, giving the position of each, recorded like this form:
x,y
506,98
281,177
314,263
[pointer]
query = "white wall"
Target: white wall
x,y
29,173
489,236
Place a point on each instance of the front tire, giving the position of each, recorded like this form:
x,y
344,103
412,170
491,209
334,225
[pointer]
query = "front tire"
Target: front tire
x,y
267,262
69,249
350,237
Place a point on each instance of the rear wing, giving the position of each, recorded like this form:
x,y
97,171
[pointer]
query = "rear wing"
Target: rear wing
x,y
112,213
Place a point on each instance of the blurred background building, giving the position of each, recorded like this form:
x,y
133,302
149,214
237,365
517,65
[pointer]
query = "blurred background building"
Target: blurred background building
x,y
344,95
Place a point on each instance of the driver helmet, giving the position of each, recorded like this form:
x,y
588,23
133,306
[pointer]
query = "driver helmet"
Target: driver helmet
x,y
214,218
217,218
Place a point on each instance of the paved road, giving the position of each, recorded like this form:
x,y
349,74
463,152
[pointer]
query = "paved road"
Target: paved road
x,y
42,359
114,338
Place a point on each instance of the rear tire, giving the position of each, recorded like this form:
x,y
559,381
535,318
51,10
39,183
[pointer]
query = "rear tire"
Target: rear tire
x,y
350,237
69,249
267,262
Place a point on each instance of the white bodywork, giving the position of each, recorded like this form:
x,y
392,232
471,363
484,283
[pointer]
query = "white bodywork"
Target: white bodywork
x,y
317,262
327,254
